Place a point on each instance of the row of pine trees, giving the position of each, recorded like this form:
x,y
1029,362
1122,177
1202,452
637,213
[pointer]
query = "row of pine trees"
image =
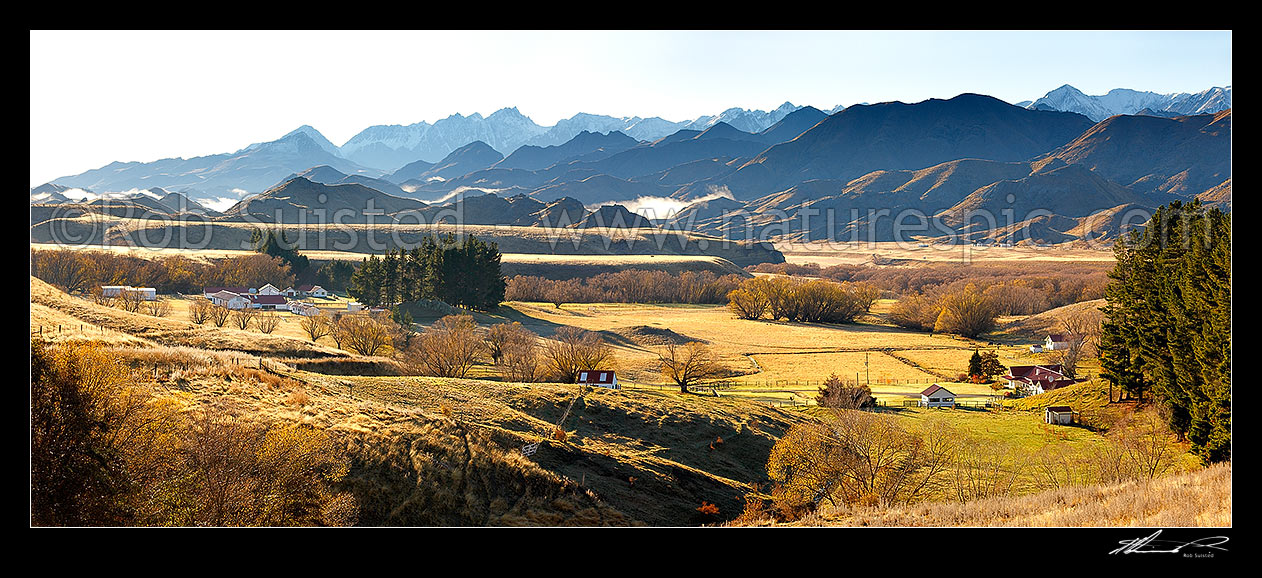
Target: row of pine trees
x,y
1168,328
464,273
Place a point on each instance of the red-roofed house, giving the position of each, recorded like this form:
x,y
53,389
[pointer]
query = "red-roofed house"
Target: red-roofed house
x,y
1036,379
605,379
269,302
937,396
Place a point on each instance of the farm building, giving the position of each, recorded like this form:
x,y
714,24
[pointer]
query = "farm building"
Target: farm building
x,y
353,306
229,299
234,290
304,309
146,293
937,396
605,379
1057,341
1036,379
306,291
268,289
1059,415
269,302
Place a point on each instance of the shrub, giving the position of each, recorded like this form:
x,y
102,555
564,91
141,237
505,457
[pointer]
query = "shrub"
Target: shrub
x,y
448,348
572,350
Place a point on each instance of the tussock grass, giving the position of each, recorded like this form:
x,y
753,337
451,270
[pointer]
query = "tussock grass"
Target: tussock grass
x,y
1190,499
173,331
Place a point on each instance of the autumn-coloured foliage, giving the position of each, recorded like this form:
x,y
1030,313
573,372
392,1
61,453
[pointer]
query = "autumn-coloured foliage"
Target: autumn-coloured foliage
x,y
708,509
105,451
630,286
77,270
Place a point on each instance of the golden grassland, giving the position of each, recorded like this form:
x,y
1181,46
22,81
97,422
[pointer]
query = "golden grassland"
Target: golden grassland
x,y
539,264
174,329
1200,498
433,451
826,254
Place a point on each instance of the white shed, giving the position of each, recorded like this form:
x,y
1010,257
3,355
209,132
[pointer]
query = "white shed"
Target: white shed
x,y
146,293
1059,415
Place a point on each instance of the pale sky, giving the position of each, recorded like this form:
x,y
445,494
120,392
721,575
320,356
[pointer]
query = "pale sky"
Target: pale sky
x,y
103,96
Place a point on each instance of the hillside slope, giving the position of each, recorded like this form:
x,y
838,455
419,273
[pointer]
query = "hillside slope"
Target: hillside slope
x,y
447,452
1201,498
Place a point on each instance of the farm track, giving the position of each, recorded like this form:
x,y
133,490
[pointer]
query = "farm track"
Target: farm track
x,y
917,366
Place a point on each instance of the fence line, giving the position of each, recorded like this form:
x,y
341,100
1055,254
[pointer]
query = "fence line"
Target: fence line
x,y
807,383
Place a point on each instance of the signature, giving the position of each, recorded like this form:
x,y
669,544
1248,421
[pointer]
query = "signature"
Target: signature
x,y
1151,545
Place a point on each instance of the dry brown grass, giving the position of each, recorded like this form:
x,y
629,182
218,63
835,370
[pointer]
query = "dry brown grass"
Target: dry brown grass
x,y
1036,327
826,254
1192,499
175,330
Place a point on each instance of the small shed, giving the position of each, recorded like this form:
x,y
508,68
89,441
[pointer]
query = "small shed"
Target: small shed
x,y
937,396
146,293
1058,415
605,379
1057,341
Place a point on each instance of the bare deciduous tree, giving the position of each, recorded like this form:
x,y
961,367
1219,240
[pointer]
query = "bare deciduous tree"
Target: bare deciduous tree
x,y
984,469
859,458
199,310
363,334
316,326
267,322
1083,332
158,307
572,350
515,351
448,348
219,315
242,318
98,296
688,365
130,301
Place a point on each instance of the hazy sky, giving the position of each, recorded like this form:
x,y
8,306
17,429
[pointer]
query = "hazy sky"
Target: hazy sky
x,y
102,96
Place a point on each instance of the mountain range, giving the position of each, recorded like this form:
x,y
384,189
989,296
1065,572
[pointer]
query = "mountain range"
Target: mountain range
x,y
1132,102
742,174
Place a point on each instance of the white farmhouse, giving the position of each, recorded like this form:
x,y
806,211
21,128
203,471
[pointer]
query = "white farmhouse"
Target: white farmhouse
x,y
937,396
230,300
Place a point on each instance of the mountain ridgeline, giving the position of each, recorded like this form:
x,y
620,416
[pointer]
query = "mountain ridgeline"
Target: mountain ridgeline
x,y
970,168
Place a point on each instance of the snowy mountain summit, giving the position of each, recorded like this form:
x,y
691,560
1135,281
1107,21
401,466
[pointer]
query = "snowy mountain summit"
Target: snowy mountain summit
x,y
1127,101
